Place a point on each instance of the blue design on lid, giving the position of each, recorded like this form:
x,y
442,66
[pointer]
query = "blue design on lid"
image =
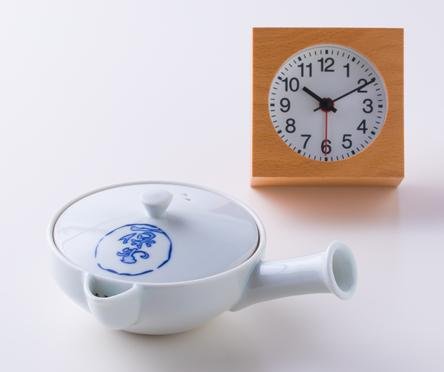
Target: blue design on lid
x,y
133,249
137,240
129,255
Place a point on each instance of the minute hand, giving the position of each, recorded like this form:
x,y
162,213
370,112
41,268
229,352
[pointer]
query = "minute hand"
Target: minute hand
x,y
352,91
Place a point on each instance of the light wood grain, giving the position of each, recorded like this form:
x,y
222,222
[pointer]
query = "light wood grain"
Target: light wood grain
x,y
382,163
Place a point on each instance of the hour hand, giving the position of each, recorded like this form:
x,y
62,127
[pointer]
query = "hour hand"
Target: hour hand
x,y
311,93
321,101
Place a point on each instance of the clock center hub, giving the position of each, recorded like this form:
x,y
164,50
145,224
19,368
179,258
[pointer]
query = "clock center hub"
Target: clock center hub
x,y
326,104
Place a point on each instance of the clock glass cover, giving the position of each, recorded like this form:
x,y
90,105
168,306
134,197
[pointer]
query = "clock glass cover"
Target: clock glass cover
x,y
327,103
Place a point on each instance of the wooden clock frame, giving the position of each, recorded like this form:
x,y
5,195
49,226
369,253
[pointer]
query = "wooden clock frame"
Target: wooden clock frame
x,y
382,163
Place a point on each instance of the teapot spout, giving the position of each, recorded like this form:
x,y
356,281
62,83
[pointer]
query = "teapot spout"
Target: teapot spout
x,y
332,271
115,305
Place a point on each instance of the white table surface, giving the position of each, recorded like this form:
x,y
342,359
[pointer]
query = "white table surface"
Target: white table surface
x,y
100,92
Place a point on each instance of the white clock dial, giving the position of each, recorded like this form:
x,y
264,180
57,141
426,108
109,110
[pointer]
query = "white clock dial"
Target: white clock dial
x,y
327,103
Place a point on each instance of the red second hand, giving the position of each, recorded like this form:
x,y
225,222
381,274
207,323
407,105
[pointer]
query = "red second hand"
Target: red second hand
x,y
326,128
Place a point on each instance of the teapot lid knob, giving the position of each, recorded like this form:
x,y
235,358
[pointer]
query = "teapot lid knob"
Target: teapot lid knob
x,y
156,202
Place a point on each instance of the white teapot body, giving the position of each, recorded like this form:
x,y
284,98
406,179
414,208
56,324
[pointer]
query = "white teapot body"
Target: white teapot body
x,y
171,307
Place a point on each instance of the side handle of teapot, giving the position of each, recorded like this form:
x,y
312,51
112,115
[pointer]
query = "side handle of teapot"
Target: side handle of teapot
x,y
332,271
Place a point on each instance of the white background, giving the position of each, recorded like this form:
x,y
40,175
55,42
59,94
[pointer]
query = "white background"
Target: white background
x,y
100,92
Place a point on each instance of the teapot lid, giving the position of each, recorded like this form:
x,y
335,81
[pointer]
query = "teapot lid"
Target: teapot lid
x,y
155,232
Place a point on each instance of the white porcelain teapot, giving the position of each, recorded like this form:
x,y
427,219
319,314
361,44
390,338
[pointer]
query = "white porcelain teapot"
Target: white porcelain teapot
x,y
162,257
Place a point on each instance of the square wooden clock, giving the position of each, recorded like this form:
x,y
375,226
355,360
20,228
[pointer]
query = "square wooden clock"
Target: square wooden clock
x,y
328,106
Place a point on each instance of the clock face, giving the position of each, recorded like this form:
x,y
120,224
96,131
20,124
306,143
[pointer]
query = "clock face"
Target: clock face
x,y
327,103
